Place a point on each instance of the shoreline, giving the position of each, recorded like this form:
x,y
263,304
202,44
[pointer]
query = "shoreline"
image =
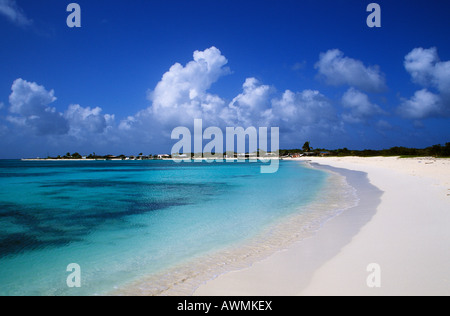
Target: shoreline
x,y
186,277
289,270
407,237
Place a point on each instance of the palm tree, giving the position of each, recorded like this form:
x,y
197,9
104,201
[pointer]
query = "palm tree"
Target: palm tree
x,y
306,146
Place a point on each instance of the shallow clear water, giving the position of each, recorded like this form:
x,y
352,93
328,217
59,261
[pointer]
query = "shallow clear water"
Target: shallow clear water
x,y
123,220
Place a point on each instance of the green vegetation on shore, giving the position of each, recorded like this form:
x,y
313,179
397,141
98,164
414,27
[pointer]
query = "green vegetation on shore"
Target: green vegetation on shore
x,y
439,151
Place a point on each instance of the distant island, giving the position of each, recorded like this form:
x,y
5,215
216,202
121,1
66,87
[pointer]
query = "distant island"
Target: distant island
x,y
77,156
438,151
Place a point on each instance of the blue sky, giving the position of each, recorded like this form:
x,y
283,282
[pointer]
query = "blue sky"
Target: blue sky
x,y
135,70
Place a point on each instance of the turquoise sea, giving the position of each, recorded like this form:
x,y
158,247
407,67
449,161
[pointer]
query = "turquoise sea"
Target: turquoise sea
x,y
122,221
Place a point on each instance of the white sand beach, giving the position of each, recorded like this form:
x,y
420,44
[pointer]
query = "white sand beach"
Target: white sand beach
x,y
407,237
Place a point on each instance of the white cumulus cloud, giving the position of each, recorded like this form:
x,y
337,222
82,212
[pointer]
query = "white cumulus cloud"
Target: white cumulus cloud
x,y
422,105
86,121
304,114
337,69
30,106
359,105
182,95
426,69
251,107
28,98
420,64
30,109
